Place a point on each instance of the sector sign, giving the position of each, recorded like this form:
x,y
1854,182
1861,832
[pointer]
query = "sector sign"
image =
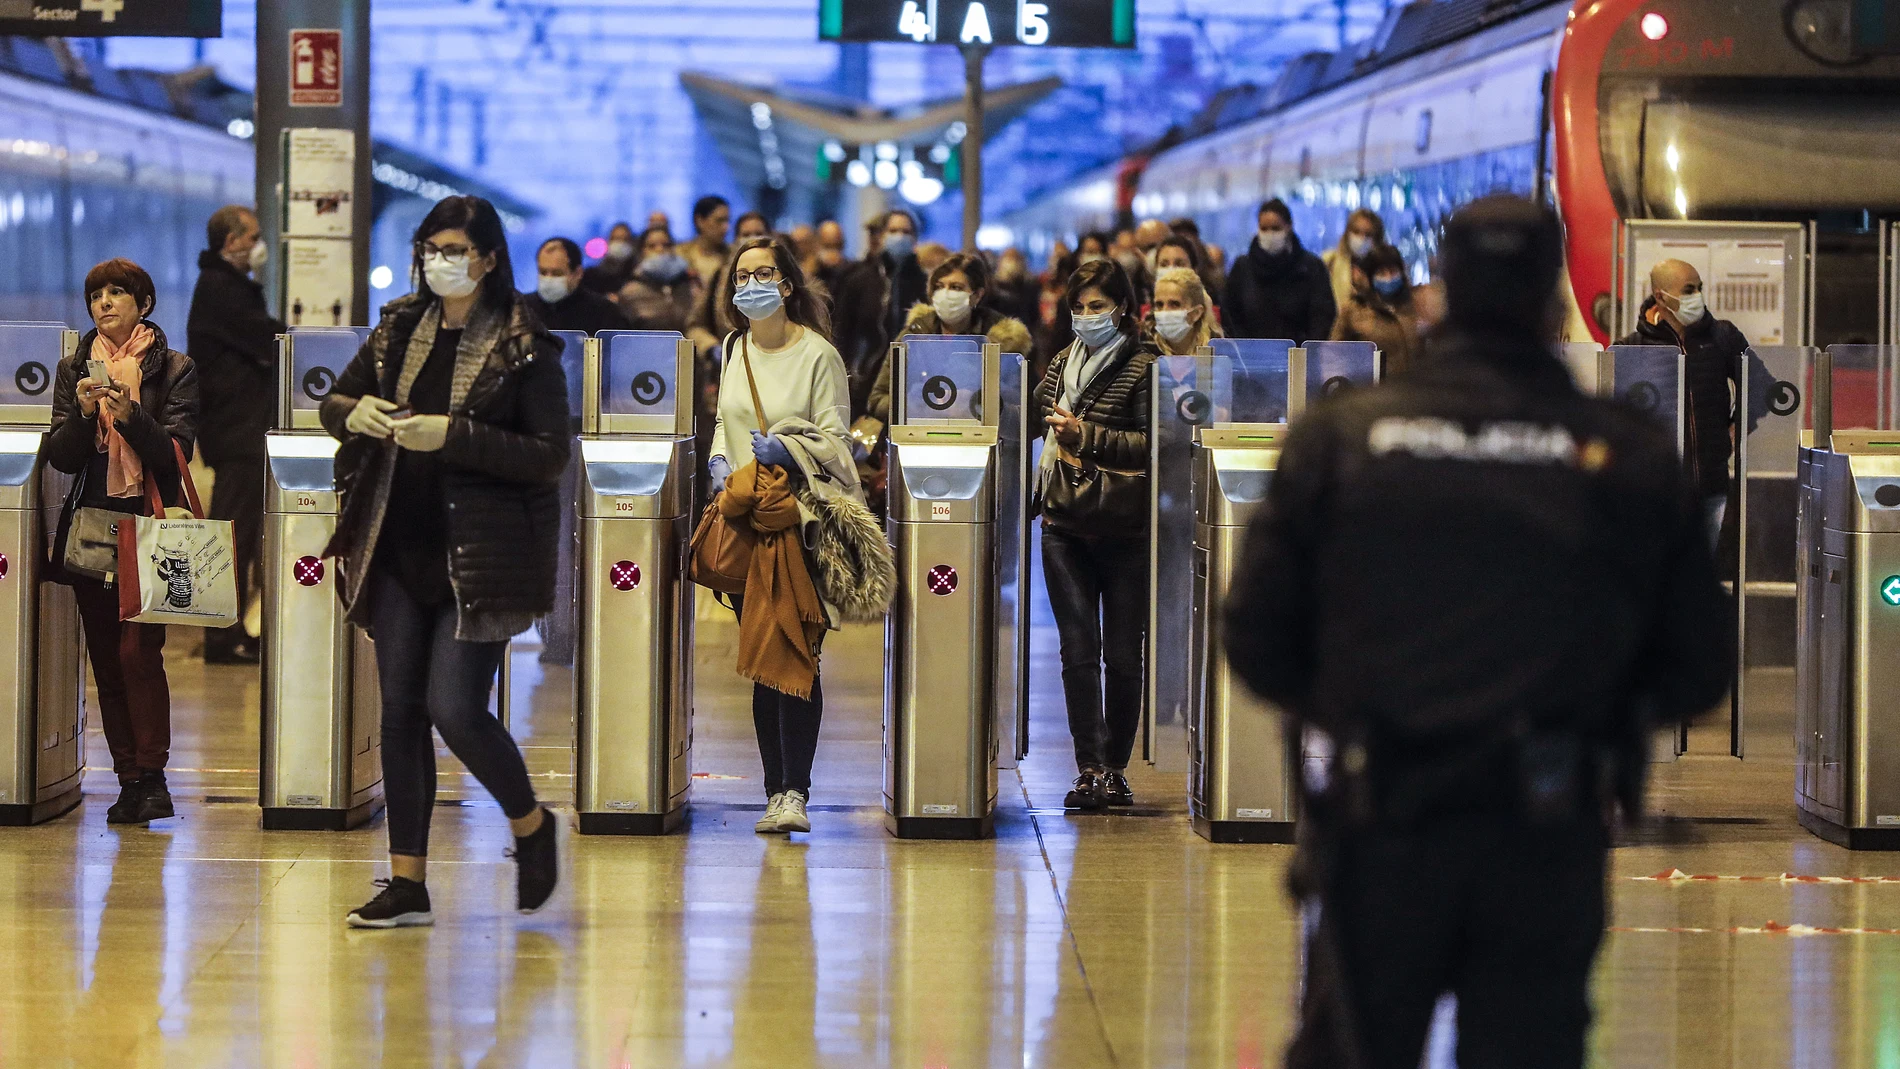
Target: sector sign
x,y
1035,23
112,18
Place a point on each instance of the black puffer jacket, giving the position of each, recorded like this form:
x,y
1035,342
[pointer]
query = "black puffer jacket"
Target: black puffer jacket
x,y
506,448
1713,351
865,318
167,410
233,340
1114,410
1279,295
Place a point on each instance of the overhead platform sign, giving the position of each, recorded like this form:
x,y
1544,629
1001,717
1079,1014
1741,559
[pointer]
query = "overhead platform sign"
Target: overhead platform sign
x,y
1036,23
112,18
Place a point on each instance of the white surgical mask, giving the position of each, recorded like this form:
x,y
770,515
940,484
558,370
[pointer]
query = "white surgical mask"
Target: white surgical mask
x,y
1274,242
448,277
260,255
1690,307
553,288
1097,330
1173,324
619,250
953,306
1358,245
758,300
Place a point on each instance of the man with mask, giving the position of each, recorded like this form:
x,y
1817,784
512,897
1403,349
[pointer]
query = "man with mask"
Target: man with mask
x,y
1676,314
707,252
1482,590
233,340
831,262
612,272
1148,238
873,299
561,300
1278,289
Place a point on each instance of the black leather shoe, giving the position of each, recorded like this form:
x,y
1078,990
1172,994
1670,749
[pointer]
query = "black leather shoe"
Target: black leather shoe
x,y
1087,792
155,800
125,810
1115,789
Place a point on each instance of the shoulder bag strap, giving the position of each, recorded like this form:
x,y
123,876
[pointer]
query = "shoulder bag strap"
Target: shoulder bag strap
x,y
758,406
157,504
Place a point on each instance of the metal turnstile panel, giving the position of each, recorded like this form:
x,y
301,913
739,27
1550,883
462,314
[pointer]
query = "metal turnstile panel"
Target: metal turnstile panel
x,y
1247,775
1013,441
1333,366
1872,679
42,692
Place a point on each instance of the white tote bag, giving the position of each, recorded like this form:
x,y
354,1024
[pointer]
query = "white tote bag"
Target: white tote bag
x,y
176,567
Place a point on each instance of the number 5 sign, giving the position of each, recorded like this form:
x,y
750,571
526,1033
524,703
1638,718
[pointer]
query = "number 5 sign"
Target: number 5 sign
x,y
316,68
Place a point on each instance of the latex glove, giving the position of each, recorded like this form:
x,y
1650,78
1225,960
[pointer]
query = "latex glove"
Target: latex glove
x,y
771,452
422,434
721,470
371,417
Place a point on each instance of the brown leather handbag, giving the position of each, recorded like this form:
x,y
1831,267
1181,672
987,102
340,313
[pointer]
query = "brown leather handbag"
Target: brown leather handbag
x,y
721,552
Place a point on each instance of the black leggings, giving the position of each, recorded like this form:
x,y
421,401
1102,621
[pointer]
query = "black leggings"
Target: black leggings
x,y
787,727
1098,590
429,677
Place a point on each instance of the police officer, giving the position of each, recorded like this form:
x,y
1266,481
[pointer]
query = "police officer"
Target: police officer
x,y
1483,588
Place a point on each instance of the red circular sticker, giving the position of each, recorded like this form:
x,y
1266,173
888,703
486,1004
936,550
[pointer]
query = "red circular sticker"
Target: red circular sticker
x,y
624,575
308,571
5,565
941,580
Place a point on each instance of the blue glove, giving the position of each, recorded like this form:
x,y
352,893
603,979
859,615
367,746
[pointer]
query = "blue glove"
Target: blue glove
x,y
771,452
721,469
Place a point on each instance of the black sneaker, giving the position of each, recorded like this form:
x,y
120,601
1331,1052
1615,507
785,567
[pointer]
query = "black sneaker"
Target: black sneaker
x,y
1115,789
536,872
402,903
155,800
1087,792
125,810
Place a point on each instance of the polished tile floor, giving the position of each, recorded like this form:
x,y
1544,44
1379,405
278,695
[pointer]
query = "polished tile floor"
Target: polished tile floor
x,y
1066,942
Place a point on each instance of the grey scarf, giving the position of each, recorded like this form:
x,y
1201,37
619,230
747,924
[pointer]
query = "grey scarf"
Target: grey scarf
x,y
471,353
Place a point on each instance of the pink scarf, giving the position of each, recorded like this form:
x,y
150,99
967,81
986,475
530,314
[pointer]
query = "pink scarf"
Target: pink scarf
x,y
125,473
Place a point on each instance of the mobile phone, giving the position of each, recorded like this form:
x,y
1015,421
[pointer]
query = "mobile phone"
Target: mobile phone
x,y
96,371
401,413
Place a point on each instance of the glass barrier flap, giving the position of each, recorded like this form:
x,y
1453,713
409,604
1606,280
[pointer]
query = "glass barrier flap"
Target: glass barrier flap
x,y
1012,563
319,357
1649,377
1861,386
29,360
574,366
637,372
1246,382
943,378
1332,366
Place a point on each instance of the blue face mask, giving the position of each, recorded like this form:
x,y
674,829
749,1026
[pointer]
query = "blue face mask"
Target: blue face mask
x,y
758,300
899,246
1388,287
1097,330
665,268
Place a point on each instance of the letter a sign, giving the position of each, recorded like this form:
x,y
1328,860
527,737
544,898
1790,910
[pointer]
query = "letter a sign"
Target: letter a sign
x,y
316,68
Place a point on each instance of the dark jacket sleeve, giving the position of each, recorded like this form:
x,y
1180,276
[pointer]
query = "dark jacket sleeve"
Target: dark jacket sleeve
x,y
242,326
537,451
1321,308
71,440
358,380
1271,614
1232,310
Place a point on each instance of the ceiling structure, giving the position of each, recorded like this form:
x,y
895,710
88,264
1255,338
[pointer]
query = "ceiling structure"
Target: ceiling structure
x,y
587,107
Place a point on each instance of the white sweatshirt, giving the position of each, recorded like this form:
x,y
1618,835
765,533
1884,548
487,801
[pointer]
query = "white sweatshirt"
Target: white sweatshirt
x,y
806,379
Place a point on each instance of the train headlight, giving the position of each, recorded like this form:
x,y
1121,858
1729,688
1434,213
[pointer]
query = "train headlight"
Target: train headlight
x,y
1654,26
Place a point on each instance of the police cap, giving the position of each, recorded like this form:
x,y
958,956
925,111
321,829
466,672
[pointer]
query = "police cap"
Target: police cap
x,y
1501,257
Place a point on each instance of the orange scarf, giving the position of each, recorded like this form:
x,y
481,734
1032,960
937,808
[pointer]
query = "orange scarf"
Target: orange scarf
x,y
783,621
125,473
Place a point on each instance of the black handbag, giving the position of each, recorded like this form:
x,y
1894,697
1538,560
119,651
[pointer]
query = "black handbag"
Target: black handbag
x,y
1108,501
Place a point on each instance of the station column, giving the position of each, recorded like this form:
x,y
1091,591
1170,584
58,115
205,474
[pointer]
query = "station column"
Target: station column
x,y
313,190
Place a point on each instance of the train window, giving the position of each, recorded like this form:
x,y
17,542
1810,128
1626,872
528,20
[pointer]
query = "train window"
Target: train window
x,y
1691,149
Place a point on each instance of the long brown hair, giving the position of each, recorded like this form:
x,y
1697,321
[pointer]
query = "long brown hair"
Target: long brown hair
x,y
802,306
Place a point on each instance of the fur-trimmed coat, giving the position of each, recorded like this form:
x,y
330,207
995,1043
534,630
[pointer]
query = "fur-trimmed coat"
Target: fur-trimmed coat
x,y
852,562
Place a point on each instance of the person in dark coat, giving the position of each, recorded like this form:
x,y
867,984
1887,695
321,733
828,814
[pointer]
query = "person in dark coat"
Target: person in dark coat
x,y
1676,314
1278,289
1483,592
454,428
115,435
613,270
232,338
562,301
873,299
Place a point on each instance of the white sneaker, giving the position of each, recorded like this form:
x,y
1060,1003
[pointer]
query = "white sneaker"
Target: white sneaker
x,y
768,824
791,814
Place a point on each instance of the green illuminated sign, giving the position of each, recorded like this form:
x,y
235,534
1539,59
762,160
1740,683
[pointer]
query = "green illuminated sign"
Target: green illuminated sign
x,y
1890,590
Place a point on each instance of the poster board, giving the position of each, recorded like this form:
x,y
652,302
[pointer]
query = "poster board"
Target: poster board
x,y
1757,276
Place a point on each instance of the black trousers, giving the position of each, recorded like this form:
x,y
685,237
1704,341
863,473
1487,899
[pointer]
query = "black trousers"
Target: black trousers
x,y
787,727
1098,590
430,678
1505,916
238,496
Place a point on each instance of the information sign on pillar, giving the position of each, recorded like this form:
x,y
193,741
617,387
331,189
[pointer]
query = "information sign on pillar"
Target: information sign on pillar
x,y
318,223
316,68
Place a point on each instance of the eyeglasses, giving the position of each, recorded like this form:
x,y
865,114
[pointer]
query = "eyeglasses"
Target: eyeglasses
x,y
454,254
768,275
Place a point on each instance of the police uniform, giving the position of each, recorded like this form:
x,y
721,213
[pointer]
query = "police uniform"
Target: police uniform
x,y
1485,587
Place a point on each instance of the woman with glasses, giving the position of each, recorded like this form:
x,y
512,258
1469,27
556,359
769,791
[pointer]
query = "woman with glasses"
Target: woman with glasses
x,y
781,353
453,419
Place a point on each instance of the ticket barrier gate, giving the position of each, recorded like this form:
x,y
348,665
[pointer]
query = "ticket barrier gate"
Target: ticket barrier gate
x,y
956,444
43,681
1847,671
322,709
633,673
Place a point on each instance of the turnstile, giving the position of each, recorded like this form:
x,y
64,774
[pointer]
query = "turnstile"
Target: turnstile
x,y
322,709
948,668
43,681
633,673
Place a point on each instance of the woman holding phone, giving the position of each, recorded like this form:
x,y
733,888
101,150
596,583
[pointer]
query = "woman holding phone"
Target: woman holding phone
x,y
125,406
453,418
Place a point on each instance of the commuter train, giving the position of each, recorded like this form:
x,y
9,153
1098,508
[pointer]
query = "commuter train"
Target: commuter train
x,y
1759,110
84,178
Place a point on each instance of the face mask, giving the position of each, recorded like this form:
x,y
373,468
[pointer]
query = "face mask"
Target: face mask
x,y
1389,287
260,255
953,306
1097,330
448,278
619,250
1173,325
899,246
1358,245
758,300
664,268
1274,242
552,288
1689,307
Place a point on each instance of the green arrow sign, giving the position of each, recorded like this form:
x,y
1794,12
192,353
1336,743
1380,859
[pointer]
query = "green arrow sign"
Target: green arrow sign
x,y
1890,590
